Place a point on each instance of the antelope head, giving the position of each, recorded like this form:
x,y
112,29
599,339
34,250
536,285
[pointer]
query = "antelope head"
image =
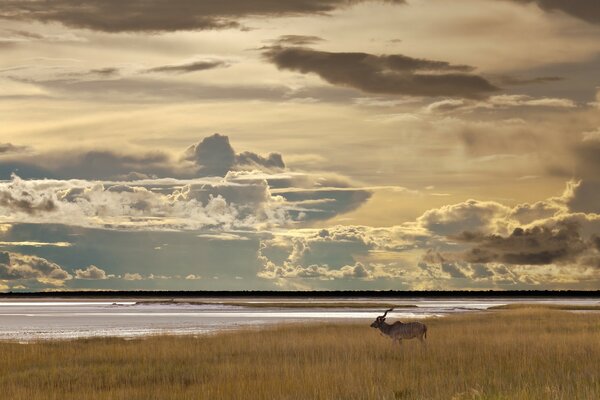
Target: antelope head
x,y
380,320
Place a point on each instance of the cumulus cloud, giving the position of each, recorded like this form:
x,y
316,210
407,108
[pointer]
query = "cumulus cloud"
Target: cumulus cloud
x,y
240,200
132,276
212,156
583,196
471,215
18,268
339,252
215,156
483,240
161,15
539,245
385,74
24,202
479,243
92,273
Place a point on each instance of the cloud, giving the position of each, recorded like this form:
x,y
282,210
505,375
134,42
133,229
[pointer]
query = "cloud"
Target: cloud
x,y
91,272
297,40
583,196
132,276
10,37
336,253
540,245
471,215
586,10
384,74
105,72
18,268
552,232
516,81
240,200
214,156
227,236
194,66
498,102
453,270
515,100
9,148
161,15
24,201
239,190
87,164
30,243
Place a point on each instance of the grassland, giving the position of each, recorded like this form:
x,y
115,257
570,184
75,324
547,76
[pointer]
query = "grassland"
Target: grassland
x,y
508,354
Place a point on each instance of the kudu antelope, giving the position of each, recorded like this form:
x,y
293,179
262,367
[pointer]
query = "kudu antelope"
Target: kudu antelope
x,y
398,330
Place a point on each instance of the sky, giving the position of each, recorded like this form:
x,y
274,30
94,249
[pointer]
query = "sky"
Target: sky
x,y
299,145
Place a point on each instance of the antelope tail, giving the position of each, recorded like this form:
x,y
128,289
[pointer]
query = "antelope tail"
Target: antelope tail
x,y
425,333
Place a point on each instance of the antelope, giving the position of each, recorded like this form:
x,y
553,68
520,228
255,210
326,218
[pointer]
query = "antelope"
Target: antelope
x,y
398,330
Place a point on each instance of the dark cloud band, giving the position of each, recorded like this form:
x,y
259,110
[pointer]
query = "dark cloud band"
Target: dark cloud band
x,y
383,74
161,15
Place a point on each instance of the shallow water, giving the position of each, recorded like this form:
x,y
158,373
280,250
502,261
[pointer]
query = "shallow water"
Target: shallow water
x,y
38,319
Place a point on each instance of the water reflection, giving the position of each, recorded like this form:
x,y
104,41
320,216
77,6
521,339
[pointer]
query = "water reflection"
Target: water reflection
x,y
34,320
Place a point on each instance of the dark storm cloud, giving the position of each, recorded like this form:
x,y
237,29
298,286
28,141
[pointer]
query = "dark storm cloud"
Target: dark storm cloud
x,y
215,157
189,67
384,74
161,15
535,246
587,10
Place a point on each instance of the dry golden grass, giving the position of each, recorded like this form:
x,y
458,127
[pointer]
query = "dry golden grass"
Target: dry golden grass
x,y
514,354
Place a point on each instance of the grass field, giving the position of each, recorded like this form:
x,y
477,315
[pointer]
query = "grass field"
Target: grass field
x,y
508,354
